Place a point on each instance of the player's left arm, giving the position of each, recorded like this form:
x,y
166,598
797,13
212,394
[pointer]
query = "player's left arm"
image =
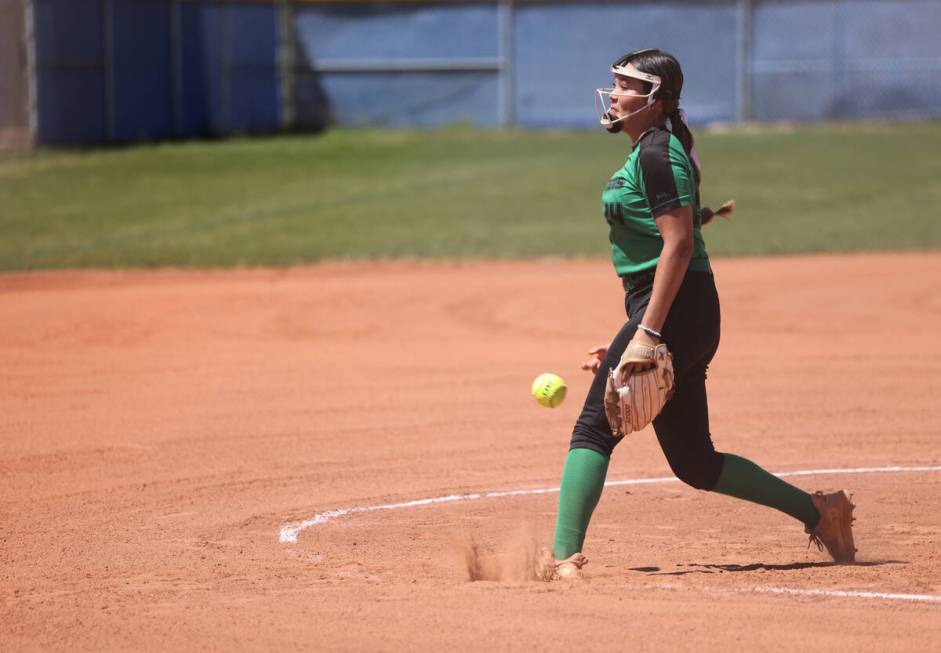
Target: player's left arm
x,y
671,190
676,229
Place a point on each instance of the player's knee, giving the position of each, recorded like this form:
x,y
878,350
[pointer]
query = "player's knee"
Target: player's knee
x,y
694,478
701,473
587,436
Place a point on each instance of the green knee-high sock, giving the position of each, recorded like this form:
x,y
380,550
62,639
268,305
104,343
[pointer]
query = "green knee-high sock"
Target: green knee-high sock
x,y
743,479
582,482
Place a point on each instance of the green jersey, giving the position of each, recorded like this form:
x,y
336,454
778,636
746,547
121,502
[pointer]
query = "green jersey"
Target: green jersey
x,y
657,178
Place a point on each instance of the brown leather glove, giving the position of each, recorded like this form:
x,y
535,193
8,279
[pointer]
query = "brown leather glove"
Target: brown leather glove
x,y
638,387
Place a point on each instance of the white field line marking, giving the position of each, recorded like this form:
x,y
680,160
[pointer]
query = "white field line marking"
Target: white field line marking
x,y
924,598
290,531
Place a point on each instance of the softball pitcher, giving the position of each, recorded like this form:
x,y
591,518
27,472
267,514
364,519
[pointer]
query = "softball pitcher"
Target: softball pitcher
x,y
652,207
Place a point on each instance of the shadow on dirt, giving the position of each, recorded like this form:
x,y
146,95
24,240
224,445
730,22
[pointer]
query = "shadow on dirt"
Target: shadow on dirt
x,y
697,568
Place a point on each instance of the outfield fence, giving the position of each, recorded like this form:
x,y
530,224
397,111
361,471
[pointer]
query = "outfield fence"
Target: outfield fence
x,y
93,71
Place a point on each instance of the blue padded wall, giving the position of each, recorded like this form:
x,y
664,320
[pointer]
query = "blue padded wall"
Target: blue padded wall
x,y
203,55
230,76
143,83
254,68
70,78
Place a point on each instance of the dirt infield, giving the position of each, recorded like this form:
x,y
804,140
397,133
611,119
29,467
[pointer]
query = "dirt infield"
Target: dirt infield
x,y
159,430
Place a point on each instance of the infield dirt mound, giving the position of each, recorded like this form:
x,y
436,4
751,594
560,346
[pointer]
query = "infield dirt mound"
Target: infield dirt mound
x,y
159,428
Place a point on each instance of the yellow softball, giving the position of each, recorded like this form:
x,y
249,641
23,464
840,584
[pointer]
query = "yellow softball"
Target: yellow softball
x,y
549,390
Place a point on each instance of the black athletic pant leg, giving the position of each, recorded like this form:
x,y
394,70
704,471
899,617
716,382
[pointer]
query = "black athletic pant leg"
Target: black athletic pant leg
x,y
683,432
692,334
592,430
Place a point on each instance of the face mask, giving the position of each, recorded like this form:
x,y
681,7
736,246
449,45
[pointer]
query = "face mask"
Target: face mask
x,y
603,107
603,97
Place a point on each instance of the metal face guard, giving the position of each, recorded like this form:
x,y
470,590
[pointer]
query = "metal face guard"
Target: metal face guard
x,y
603,95
603,107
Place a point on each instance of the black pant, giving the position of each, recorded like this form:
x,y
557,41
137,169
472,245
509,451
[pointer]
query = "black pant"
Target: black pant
x,y
691,332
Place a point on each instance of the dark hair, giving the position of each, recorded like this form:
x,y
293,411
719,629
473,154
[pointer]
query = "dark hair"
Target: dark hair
x,y
664,65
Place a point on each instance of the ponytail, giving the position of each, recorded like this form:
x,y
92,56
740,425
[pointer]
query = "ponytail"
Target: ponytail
x,y
668,69
685,136
681,130
707,214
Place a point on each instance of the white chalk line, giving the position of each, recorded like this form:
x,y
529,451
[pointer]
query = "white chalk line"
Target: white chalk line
x,y
288,534
885,596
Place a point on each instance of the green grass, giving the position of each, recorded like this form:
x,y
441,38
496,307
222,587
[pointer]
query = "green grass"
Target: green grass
x,y
451,194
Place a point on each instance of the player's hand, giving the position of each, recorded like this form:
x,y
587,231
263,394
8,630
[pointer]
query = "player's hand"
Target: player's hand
x,y
645,338
597,355
638,356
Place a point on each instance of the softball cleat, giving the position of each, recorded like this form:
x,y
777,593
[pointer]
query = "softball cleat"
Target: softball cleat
x,y
549,569
835,528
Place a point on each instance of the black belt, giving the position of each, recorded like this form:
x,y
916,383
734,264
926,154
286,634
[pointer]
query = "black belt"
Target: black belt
x,y
638,280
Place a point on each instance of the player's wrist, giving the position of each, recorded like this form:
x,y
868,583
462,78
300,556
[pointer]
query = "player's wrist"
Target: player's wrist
x,y
653,333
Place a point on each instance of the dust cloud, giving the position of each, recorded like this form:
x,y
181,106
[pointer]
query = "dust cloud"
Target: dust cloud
x,y
515,560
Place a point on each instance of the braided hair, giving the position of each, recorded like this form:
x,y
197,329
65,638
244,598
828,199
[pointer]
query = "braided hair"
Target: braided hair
x,y
664,65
